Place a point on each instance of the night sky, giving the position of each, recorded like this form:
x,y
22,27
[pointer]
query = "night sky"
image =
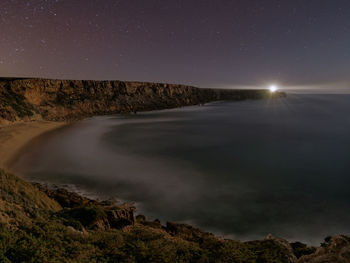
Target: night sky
x,y
208,43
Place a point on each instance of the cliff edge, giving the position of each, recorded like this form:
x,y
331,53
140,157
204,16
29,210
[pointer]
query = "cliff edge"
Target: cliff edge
x,y
62,100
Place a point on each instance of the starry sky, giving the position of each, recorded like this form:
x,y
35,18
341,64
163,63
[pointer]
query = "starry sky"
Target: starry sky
x,y
207,43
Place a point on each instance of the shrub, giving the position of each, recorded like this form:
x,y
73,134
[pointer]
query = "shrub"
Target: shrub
x,y
86,215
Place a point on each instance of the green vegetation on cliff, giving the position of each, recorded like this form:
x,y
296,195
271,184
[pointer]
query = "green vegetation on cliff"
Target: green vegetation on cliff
x,y
53,242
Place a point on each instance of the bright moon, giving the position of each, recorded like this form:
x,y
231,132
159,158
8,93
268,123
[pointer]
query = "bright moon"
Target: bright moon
x,y
273,88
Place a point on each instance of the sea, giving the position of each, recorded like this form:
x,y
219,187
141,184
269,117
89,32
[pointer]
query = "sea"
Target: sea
x,y
241,170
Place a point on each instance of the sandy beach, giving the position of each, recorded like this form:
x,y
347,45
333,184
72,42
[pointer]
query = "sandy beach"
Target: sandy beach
x,y
15,136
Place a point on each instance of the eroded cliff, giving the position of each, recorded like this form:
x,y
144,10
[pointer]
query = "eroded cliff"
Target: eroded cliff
x,y
55,100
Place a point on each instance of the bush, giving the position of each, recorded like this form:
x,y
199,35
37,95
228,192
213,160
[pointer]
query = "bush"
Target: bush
x,y
86,216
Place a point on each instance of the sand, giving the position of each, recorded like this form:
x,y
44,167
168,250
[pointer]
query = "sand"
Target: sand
x,y
16,136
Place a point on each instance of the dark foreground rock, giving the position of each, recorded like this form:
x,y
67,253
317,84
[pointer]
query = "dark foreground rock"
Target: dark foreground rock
x,y
86,213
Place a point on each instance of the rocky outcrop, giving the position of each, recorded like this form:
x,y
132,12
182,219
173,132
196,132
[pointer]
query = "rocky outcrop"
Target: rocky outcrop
x,y
187,232
90,214
334,249
64,197
301,249
32,99
290,256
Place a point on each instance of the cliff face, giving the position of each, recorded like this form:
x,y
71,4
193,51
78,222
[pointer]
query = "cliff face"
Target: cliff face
x,y
74,99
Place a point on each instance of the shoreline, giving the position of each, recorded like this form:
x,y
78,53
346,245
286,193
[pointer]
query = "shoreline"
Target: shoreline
x,y
16,136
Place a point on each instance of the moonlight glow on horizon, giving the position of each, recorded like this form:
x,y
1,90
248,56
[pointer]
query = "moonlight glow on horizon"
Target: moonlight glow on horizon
x,y
273,88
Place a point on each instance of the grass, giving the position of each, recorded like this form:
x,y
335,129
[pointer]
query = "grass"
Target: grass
x,y
50,241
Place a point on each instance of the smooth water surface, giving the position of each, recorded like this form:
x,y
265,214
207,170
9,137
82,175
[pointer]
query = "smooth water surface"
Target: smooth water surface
x,y
240,169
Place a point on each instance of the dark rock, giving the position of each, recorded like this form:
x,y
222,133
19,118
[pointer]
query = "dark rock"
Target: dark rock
x,y
140,218
119,217
91,214
301,249
187,232
289,253
66,198
154,224
336,249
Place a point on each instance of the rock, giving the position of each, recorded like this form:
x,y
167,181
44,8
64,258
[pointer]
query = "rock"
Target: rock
x,y
66,100
186,232
120,217
96,217
301,249
140,218
64,197
90,213
154,224
335,249
284,243
82,232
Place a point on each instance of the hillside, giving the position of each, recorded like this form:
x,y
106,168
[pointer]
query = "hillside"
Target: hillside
x,y
53,225
68,228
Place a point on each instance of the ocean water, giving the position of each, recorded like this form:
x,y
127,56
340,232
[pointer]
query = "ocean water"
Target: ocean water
x,y
239,169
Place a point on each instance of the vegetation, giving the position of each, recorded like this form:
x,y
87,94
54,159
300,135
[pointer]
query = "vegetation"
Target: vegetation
x,y
84,216
51,241
35,228
301,249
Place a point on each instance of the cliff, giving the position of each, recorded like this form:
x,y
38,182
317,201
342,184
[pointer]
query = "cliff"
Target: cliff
x,y
61,100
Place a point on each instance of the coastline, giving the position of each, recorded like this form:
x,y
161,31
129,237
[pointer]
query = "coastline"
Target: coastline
x,y
14,137
119,222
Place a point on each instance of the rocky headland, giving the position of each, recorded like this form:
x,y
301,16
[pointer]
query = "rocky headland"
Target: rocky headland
x,y
66,100
41,224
